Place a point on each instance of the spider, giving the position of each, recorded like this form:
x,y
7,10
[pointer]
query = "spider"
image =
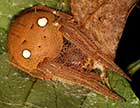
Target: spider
x,y
52,45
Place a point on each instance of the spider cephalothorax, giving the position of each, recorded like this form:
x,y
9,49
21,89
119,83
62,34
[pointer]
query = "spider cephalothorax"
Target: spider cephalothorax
x,y
52,45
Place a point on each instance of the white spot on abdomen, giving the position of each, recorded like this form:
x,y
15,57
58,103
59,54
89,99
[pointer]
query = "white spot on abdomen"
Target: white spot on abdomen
x,y
26,53
42,22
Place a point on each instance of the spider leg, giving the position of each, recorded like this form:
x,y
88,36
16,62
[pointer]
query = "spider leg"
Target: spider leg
x,y
51,71
41,74
90,48
88,80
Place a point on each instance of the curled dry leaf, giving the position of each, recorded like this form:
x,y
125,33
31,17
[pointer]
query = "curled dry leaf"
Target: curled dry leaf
x,y
52,45
104,19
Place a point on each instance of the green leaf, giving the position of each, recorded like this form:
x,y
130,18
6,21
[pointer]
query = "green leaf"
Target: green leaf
x,y
3,41
134,67
14,86
19,90
121,87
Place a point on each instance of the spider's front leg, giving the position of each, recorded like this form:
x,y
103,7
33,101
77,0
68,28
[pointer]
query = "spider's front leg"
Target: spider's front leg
x,y
68,75
90,48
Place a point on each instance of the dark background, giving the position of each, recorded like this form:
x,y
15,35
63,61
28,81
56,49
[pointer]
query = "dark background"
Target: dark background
x,y
129,47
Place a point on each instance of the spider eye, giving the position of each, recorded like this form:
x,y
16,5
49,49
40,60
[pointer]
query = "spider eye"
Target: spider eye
x,y
42,22
26,54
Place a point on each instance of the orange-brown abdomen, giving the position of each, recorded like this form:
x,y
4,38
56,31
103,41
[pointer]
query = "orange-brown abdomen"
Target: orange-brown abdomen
x,y
32,37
